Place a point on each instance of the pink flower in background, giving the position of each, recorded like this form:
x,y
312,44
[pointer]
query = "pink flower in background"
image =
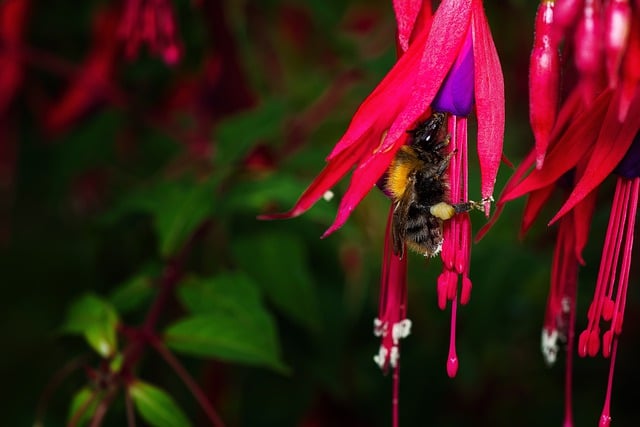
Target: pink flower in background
x,y
13,14
92,85
150,22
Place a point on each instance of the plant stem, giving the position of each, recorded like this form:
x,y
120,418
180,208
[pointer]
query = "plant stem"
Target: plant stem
x,y
188,380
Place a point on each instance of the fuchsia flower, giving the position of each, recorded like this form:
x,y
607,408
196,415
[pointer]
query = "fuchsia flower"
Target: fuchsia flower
x,y
448,63
13,14
90,87
594,135
150,22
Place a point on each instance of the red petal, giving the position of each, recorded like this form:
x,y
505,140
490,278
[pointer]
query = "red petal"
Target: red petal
x,y
423,21
630,68
565,154
544,80
524,167
91,85
535,202
448,30
364,178
588,55
386,100
330,175
406,14
582,221
12,19
613,141
489,88
617,17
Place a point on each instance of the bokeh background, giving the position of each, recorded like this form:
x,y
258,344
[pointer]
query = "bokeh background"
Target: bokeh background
x,y
108,165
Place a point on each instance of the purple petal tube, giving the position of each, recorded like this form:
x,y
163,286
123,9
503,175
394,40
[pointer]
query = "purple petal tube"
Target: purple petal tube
x,y
456,93
629,166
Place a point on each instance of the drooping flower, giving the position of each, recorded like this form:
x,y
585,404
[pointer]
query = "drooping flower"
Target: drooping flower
x,y
448,63
93,83
13,15
150,22
591,138
594,145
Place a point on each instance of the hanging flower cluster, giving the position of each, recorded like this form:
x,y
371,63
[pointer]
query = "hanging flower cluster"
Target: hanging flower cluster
x,y
447,63
150,22
580,140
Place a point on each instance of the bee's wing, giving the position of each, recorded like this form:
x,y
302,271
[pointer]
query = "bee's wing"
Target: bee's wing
x,y
399,222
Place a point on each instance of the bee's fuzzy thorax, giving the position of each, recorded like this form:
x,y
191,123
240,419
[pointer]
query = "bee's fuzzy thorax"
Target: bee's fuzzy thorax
x,y
399,171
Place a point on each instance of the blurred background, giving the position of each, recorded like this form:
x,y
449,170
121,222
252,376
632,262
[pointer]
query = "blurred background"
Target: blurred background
x,y
129,149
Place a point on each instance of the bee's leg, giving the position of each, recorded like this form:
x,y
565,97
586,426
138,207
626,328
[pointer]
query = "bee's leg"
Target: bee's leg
x,y
444,164
464,207
471,205
445,141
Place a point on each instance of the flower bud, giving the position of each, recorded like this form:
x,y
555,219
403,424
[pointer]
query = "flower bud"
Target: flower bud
x,y
544,78
617,16
588,47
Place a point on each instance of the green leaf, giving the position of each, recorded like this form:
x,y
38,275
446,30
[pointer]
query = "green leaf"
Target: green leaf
x,y
156,407
278,262
177,208
228,322
236,135
97,320
133,293
234,293
87,146
182,211
83,405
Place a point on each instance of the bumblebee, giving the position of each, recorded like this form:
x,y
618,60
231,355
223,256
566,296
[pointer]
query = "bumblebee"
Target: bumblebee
x,y
419,187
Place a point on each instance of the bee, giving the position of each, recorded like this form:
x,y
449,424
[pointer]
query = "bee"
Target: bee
x,y
419,187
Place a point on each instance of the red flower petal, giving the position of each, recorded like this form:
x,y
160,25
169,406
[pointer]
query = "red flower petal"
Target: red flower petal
x,y
386,100
90,87
588,55
330,175
544,80
406,14
630,68
565,154
448,29
613,141
489,88
535,203
513,182
582,222
364,178
617,17
12,19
